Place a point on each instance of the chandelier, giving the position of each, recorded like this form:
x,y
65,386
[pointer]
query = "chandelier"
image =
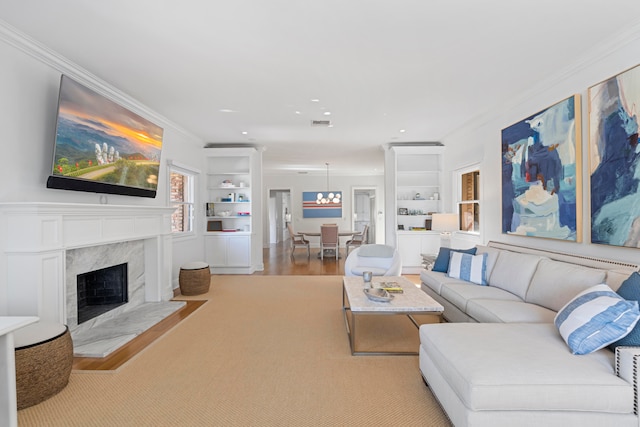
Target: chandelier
x,y
328,197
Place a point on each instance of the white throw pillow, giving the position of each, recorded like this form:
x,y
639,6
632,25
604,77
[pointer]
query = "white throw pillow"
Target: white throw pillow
x,y
472,268
595,318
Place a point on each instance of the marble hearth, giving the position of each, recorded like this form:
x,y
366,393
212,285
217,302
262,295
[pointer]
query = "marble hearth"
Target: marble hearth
x,y
46,245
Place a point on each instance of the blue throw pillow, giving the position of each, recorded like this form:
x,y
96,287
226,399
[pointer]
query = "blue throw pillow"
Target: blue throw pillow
x,y
442,261
630,290
595,318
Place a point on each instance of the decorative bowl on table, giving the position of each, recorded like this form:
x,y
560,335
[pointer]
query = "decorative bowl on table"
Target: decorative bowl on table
x,y
377,294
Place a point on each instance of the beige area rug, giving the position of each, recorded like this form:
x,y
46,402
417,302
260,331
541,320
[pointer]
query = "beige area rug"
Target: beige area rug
x,y
263,351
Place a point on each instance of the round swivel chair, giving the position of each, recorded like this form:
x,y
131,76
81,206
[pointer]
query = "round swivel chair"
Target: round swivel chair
x,y
381,260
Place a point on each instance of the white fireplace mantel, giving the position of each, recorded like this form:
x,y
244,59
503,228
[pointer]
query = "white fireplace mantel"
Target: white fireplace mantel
x,y
35,236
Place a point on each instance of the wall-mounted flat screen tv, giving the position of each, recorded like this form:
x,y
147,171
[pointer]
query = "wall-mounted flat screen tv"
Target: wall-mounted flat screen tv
x,y
103,147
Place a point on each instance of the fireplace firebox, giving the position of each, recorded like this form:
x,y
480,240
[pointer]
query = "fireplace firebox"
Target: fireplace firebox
x,y
102,290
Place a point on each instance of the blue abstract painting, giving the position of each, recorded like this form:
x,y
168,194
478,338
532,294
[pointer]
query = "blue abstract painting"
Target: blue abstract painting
x,y
327,206
615,160
541,173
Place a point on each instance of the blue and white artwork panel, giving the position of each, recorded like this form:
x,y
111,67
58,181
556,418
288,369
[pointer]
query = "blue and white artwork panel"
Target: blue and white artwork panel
x,y
315,206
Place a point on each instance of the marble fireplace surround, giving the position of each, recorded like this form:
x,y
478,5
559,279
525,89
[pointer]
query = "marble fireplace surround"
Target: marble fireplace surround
x,y
84,260
45,245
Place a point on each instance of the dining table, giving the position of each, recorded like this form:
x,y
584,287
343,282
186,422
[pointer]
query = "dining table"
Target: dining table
x,y
317,233
328,252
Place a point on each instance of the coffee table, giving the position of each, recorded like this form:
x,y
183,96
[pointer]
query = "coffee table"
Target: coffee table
x,y
413,301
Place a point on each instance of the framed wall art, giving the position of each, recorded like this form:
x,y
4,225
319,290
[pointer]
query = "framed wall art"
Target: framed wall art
x,y
319,204
541,178
614,160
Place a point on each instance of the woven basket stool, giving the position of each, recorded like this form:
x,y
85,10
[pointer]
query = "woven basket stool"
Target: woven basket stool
x,y
195,278
44,356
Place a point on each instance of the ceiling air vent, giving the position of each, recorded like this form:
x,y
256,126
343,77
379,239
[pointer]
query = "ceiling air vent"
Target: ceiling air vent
x,y
320,123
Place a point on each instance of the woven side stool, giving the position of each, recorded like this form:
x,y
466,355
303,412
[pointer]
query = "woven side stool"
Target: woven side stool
x,y
195,278
44,357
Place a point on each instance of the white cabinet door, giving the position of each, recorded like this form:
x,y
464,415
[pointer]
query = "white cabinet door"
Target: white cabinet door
x,y
238,251
228,251
216,250
409,247
430,244
412,245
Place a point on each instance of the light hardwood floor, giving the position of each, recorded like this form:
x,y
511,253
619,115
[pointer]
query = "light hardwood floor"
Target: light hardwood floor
x,y
277,261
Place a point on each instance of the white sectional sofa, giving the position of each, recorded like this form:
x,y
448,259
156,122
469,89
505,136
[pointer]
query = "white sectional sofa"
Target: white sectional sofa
x,y
500,360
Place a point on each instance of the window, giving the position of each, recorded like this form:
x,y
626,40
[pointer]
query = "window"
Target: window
x,y
182,198
469,200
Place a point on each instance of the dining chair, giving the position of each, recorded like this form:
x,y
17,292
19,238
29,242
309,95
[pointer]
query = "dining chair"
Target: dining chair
x,y
358,239
329,239
298,240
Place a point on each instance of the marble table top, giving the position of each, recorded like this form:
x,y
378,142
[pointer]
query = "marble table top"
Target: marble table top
x,y
412,300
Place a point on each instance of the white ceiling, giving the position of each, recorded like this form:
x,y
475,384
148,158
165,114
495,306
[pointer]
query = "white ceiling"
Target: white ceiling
x,y
221,68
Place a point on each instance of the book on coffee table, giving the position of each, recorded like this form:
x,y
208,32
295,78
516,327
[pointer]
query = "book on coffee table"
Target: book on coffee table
x,y
391,287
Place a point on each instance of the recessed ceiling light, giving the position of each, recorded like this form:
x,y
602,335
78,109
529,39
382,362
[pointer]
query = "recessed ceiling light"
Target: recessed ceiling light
x,y
298,112
402,131
327,113
226,110
245,132
315,100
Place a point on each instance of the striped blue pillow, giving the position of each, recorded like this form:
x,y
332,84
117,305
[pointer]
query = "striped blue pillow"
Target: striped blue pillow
x,y
472,268
595,318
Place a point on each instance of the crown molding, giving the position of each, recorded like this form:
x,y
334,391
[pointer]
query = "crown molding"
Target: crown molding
x,y
45,55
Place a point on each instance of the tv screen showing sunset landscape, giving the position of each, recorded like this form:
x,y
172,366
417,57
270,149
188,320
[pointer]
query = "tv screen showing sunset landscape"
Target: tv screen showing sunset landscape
x,y
103,147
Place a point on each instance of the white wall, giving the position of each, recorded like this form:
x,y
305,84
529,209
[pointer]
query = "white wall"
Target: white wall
x,y
29,83
481,141
300,183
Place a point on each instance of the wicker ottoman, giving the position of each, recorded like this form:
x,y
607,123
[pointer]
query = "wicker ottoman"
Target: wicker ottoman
x,y
195,278
44,357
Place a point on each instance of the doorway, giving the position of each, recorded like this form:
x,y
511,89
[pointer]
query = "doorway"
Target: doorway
x,y
364,212
279,215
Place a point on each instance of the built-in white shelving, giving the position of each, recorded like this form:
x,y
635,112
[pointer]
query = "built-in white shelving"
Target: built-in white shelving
x,y
414,180
228,209
418,180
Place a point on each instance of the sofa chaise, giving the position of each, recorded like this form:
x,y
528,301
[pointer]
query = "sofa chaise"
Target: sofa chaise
x,y
501,361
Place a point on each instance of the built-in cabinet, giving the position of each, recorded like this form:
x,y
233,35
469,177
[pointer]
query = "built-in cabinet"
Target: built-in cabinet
x,y
412,245
225,250
414,192
229,208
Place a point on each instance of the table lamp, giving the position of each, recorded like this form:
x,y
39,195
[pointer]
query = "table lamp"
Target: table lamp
x,y
445,223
